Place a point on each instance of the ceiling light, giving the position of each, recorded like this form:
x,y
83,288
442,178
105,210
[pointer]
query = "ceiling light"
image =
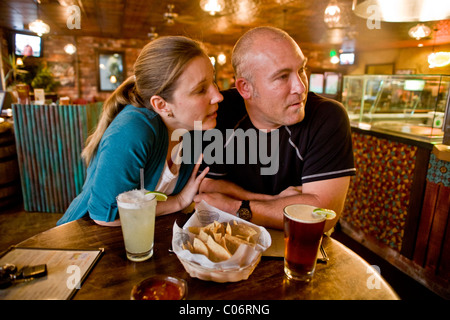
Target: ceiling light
x,y
40,27
419,31
212,6
221,59
332,14
439,59
334,59
170,16
70,49
152,34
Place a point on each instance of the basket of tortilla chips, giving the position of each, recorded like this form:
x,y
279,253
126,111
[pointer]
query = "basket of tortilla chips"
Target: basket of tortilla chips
x,y
214,245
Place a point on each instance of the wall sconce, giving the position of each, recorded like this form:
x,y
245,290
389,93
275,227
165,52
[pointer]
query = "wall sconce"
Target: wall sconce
x,y
332,14
212,6
419,31
439,59
70,49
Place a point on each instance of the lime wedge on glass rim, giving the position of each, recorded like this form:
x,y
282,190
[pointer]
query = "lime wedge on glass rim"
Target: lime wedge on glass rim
x,y
324,213
158,195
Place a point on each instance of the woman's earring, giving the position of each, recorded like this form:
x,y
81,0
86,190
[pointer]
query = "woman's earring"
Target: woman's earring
x,y
170,114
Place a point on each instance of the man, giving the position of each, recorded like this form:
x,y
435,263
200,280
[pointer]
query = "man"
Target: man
x,y
312,134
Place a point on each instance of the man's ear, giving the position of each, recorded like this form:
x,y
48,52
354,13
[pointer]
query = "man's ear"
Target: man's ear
x,y
159,105
244,87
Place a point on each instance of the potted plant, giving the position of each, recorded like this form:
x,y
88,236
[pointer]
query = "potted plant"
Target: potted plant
x,y
14,76
44,79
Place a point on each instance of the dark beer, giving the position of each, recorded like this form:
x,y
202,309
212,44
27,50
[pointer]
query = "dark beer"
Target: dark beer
x,y
302,235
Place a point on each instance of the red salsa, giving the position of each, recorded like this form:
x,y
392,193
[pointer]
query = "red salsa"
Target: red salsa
x,y
158,289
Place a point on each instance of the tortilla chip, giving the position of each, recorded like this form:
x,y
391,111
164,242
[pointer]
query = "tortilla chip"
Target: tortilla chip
x,y
200,247
233,243
217,237
217,253
244,232
228,229
202,235
194,230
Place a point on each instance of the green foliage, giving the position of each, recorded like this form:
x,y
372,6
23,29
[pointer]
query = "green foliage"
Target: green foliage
x,y
44,79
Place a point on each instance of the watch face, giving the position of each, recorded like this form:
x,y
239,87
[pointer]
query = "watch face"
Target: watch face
x,y
245,214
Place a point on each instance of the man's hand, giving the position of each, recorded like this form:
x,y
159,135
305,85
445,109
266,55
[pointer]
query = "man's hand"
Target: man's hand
x,y
220,201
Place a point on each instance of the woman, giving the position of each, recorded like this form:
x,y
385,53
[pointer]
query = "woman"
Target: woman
x,y
173,87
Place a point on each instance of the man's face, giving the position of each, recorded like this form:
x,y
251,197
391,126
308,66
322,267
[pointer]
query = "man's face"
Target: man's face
x,y
279,85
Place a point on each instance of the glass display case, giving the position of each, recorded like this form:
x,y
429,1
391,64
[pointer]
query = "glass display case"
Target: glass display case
x,y
406,105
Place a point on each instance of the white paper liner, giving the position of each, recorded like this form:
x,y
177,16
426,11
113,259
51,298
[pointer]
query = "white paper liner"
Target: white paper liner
x,y
244,257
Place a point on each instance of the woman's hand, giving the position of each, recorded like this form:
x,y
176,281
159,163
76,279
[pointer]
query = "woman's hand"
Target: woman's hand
x,y
186,196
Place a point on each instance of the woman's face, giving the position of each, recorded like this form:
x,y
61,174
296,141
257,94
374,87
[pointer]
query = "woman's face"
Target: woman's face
x,y
196,97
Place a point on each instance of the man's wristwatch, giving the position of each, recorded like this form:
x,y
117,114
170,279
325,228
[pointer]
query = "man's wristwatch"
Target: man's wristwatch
x,y
244,211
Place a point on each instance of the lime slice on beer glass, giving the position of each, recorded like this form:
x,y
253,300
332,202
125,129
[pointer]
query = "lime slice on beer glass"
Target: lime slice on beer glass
x,y
158,195
324,213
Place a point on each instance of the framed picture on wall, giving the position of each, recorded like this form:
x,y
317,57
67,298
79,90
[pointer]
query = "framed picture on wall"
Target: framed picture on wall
x,y
405,71
384,68
64,72
111,69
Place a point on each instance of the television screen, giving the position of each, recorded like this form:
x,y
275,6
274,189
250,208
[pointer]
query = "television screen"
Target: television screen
x,y
331,83
27,45
316,83
414,85
347,58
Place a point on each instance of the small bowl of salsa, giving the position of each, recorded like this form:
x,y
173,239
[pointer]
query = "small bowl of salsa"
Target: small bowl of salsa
x,y
160,288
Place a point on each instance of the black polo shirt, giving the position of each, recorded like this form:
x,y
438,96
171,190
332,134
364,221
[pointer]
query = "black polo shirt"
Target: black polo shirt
x,y
317,148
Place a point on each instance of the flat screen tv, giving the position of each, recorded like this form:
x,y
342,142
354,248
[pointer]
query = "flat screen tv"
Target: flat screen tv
x,y
27,45
347,58
316,82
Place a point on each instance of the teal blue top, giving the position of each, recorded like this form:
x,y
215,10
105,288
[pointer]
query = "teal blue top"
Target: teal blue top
x,y
136,138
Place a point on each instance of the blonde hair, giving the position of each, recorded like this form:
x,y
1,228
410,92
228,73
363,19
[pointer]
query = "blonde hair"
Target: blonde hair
x,y
156,70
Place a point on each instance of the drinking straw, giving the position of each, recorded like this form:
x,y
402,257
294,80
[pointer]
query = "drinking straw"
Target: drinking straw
x,y
142,178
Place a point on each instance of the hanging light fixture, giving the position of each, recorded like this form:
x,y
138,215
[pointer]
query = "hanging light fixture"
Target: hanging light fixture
x,y
170,16
152,34
212,6
419,31
38,26
332,14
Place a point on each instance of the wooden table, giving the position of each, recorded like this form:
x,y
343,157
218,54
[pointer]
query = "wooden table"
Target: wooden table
x,y
345,276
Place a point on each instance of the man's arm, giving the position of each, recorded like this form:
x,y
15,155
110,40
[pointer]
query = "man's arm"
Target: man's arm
x,y
268,210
